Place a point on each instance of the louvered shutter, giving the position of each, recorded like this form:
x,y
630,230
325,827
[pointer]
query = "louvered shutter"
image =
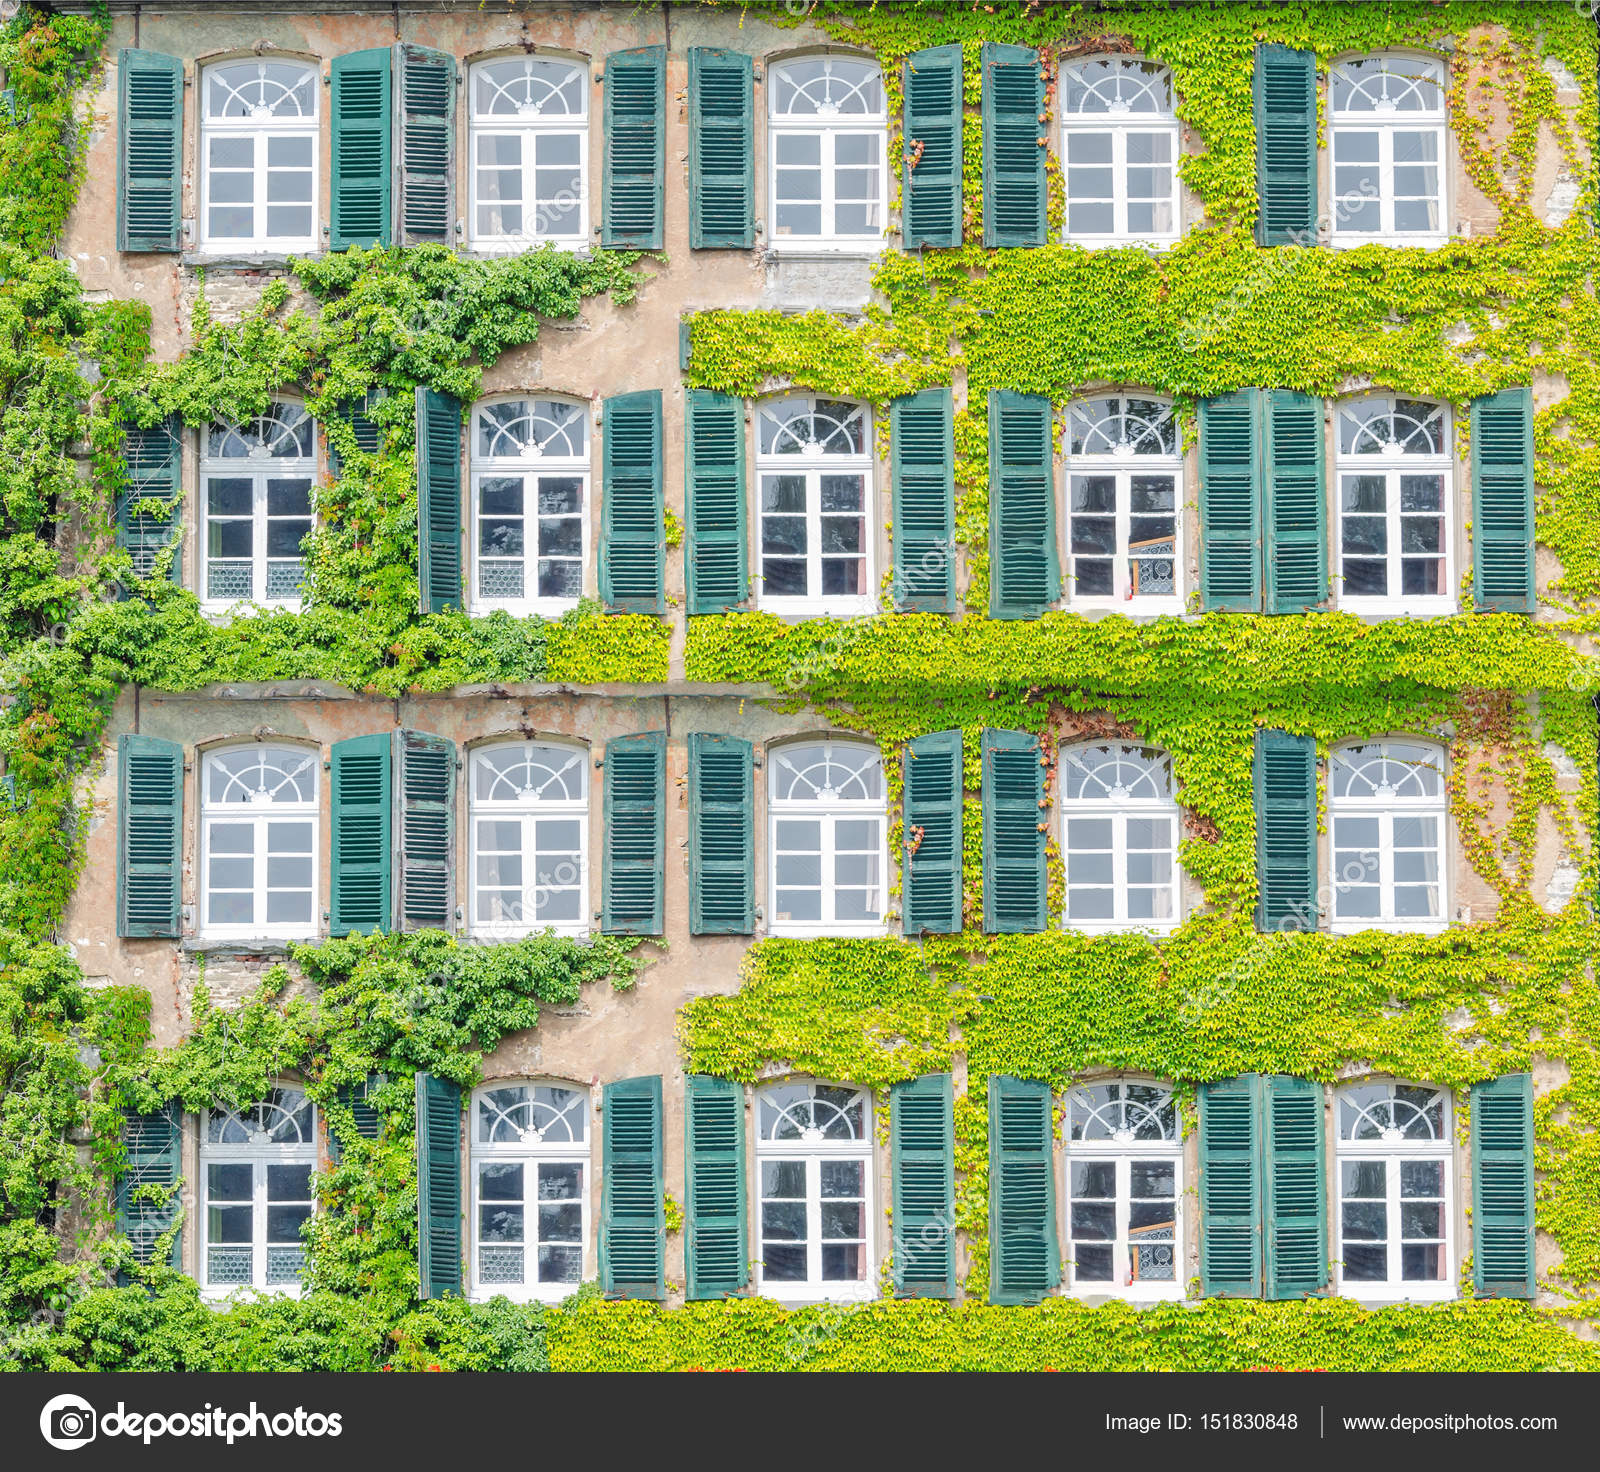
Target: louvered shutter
x,y
1230,502
153,1147
633,535
1502,502
1286,145
359,871
1294,1173
722,150
1014,830
921,1144
635,852
1502,1186
154,458
1296,503
150,152
922,460
357,413
425,130
1285,781
1024,1257
367,1122
716,1257
931,84
1230,1188
721,835
1014,134
149,836
1026,578
635,169
438,1186
713,472
361,155
438,500
633,1222
934,795
425,815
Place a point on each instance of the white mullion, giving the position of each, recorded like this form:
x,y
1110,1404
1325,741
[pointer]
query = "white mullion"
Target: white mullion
x,y
1121,580
258,849
1122,1253
1395,587
258,191
529,149
258,1223
814,1222
827,867
1391,1184
258,537
530,870
1386,179
829,185
814,528
1386,904
1119,869
530,1223
1119,182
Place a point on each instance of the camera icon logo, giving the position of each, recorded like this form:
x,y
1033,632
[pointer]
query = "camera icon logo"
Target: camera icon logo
x,y
68,1422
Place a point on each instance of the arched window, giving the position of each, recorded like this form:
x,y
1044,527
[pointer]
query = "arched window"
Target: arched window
x,y
1119,138
814,461
828,125
814,1155
255,1168
1124,1162
530,504
828,818
530,1184
258,156
1386,117
1120,838
1394,1158
1124,477
530,147
258,842
257,476
1386,803
1394,465
530,829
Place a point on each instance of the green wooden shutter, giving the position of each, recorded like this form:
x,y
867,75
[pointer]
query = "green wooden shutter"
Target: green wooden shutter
x,y
1230,1188
633,545
921,1143
922,459
438,1186
716,1255
360,874
1014,134
438,500
934,796
1296,502
1026,575
1286,145
1502,502
150,152
635,854
1230,502
1294,1174
425,817
633,1220
721,835
367,1122
722,150
931,82
150,836
1285,781
425,132
1502,1186
1024,1256
153,1146
357,413
635,170
361,182
713,474
154,458
1014,830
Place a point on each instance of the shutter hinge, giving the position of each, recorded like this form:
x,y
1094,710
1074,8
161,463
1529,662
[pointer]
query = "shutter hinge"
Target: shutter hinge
x,y
756,759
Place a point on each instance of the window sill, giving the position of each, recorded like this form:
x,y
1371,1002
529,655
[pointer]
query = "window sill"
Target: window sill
x,y
1116,928
1397,607
215,945
245,608
1391,1297
825,250
1393,242
552,1294
785,929
818,607
260,259
1097,1293
1156,243
800,1295
1129,607
1350,927
491,250
528,608
222,1298
484,935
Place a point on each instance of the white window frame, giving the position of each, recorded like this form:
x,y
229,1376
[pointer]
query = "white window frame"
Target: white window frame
x,y
1119,124
530,1154
258,1155
260,129
528,812
1393,1151
530,465
826,129
529,126
813,1153
1386,124
1125,460
259,815
1392,462
1120,1151
1386,810
1119,809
